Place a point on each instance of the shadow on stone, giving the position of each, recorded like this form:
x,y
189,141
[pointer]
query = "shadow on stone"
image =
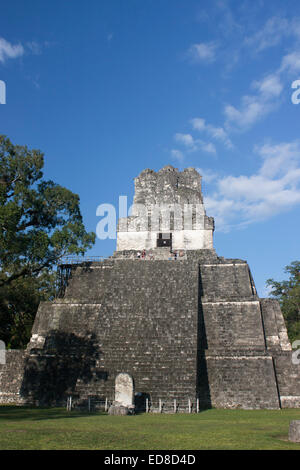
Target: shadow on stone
x,y
51,373
203,390
140,400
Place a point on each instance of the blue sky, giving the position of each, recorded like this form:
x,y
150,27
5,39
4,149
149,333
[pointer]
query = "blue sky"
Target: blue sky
x,y
106,88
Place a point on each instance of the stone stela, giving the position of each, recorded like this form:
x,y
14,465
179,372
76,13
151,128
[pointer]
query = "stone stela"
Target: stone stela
x,y
182,323
124,394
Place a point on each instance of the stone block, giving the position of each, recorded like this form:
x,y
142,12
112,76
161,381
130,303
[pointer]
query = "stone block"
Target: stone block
x,y
294,431
120,410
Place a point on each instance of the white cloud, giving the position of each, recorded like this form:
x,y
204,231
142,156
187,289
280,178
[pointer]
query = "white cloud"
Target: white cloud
x,y
255,107
217,133
9,51
198,123
275,188
177,155
269,86
290,63
35,48
269,89
278,158
207,175
203,52
185,139
251,110
270,35
273,32
192,145
208,147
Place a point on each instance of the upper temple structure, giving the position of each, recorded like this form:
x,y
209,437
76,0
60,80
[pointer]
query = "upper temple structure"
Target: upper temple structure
x,y
163,320
167,210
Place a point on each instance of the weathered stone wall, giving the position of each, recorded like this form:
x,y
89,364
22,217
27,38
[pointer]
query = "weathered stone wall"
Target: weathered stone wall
x,y
241,381
274,326
235,369
287,373
226,282
168,185
233,326
167,201
182,329
11,376
136,317
288,379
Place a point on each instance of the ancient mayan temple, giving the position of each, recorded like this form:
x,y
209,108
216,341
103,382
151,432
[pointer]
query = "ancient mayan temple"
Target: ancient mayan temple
x,y
182,321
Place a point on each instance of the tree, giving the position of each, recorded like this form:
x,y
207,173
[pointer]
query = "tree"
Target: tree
x,y
40,222
288,294
19,302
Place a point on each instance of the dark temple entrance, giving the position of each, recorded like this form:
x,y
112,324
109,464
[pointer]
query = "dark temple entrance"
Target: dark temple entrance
x,y
164,239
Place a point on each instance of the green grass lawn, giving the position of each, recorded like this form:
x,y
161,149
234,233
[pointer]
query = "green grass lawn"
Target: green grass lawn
x,y
55,428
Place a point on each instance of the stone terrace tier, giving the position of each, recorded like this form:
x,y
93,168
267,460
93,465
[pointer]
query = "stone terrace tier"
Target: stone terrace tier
x,y
189,329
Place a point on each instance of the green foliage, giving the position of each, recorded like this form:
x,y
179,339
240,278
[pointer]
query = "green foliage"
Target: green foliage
x,y
40,222
288,294
19,301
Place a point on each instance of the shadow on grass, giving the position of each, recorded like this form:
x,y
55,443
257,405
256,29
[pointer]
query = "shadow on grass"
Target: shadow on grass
x,y
20,413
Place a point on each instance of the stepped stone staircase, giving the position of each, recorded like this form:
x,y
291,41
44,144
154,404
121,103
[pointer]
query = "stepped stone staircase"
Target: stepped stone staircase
x,y
188,329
